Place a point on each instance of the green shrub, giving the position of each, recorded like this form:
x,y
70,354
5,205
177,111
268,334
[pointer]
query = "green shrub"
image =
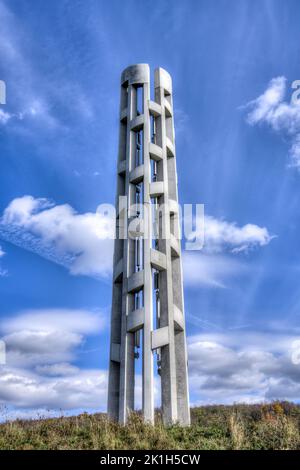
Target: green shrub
x,y
268,426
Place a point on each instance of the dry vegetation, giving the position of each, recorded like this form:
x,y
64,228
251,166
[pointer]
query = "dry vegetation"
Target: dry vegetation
x,y
272,426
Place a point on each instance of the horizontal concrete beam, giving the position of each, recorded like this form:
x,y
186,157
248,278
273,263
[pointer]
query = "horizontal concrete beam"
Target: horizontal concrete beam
x,y
178,319
118,271
156,189
154,108
137,123
137,174
173,206
115,352
135,320
155,152
175,247
170,148
136,227
160,337
135,281
122,167
168,108
123,115
158,260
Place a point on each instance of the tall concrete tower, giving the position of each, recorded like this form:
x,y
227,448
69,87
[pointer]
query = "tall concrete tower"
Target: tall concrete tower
x,y
147,318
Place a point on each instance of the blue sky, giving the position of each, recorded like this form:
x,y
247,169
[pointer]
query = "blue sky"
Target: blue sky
x,y
238,152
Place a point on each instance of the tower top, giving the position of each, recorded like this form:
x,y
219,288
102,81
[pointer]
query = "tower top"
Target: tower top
x,y
140,73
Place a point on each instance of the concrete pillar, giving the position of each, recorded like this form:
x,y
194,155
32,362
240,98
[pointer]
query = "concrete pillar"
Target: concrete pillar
x,y
155,172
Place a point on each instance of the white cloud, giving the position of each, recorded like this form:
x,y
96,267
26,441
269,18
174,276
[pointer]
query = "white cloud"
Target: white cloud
x,y
247,366
86,238
265,106
214,264
48,385
29,347
33,395
220,235
44,337
34,110
25,389
38,374
225,367
57,370
3,272
77,321
11,413
281,116
4,117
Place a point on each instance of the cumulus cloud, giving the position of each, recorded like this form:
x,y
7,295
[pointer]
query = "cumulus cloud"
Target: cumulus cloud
x,y
39,373
223,368
44,382
43,337
57,370
81,242
282,116
215,264
220,235
59,392
28,347
25,389
247,367
84,242
77,321
265,107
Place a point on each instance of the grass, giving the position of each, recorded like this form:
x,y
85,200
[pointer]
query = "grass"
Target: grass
x,y
268,426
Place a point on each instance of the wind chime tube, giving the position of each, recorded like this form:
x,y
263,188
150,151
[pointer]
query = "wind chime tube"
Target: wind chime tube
x,y
155,218
137,341
153,136
154,170
138,148
137,254
157,311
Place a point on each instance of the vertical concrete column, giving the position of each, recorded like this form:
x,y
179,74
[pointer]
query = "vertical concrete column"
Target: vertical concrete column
x,y
183,406
148,371
126,393
163,84
117,288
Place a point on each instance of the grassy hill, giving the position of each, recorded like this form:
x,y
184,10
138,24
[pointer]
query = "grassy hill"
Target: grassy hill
x,y
271,426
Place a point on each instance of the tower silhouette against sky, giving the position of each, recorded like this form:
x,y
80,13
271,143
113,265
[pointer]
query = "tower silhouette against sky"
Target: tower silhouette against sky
x,y
147,319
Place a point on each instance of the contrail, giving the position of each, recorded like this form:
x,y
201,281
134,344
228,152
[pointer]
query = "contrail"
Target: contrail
x,y
18,236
